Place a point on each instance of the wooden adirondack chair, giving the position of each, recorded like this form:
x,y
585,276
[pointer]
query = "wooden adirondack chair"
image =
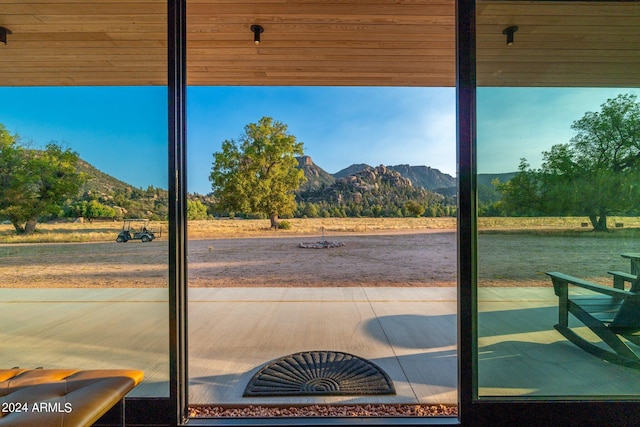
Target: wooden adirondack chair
x,y
612,313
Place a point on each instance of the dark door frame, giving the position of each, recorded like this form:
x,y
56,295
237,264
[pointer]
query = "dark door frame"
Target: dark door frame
x,y
472,410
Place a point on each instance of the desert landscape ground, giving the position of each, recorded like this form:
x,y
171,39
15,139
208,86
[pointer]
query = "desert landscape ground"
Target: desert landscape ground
x,y
376,252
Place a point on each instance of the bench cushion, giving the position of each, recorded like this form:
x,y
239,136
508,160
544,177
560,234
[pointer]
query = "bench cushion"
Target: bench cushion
x,y
61,397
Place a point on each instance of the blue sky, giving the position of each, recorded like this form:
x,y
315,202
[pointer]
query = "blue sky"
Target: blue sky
x,y
522,122
338,126
123,131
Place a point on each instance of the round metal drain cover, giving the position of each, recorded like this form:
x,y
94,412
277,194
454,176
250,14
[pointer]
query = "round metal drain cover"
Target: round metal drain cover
x,y
319,373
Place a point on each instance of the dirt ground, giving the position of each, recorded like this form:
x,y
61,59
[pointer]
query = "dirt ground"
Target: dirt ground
x,y
395,259
398,258
391,259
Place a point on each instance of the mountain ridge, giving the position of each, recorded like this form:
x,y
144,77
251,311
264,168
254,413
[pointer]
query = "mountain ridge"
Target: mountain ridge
x,y
391,186
423,176
420,176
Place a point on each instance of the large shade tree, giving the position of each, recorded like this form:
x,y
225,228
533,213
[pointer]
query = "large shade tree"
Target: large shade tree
x,y
258,174
34,183
595,175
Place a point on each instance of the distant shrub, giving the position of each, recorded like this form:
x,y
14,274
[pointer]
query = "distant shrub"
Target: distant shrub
x,y
414,208
284,225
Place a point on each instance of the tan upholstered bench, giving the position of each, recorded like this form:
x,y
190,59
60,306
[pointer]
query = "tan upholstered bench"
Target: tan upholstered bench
x,y
61,397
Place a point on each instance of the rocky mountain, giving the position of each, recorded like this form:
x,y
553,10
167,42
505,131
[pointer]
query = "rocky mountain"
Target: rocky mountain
x,y
358,190
370,179
372,191
126,200
487,191
425,176
98,181
350,170
420,176
316,176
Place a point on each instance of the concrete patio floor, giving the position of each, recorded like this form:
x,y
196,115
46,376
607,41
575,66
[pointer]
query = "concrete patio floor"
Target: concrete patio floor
x,y
408,332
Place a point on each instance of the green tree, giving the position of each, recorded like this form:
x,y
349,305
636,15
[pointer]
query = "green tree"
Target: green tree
x,y
521,195
596,174
258,174
196,210
95,209
414,208
90,209
35,182
11,154
310,210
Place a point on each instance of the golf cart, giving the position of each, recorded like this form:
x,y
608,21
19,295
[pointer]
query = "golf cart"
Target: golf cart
x,y
135,229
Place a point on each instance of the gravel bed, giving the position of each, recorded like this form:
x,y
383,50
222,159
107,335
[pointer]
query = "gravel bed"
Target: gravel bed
x,y
325,411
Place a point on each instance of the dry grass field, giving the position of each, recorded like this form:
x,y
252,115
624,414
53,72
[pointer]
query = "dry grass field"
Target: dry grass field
x,y
68,232
225,228
376,252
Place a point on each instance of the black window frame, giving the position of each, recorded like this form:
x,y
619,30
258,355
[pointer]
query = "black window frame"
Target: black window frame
x,y
472,410
507,411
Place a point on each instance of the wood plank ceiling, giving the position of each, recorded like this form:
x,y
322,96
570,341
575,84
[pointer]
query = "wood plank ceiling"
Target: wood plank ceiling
x,y
373,42
319,43
559,44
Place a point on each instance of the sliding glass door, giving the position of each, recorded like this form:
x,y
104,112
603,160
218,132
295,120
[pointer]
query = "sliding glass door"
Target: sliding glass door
x,y
558,203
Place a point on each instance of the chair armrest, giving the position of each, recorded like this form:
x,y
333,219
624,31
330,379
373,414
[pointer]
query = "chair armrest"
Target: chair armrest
x,y
620,277
561,280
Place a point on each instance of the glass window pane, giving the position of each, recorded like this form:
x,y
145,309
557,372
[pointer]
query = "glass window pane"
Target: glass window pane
x,y
352,268
558,146
357,261
83,127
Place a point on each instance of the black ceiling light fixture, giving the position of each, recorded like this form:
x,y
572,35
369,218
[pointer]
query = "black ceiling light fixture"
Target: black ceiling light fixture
x,y
509,32
257,30
3,34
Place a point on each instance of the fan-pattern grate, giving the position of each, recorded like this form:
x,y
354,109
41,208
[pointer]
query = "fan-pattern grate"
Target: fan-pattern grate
x,y
320,373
